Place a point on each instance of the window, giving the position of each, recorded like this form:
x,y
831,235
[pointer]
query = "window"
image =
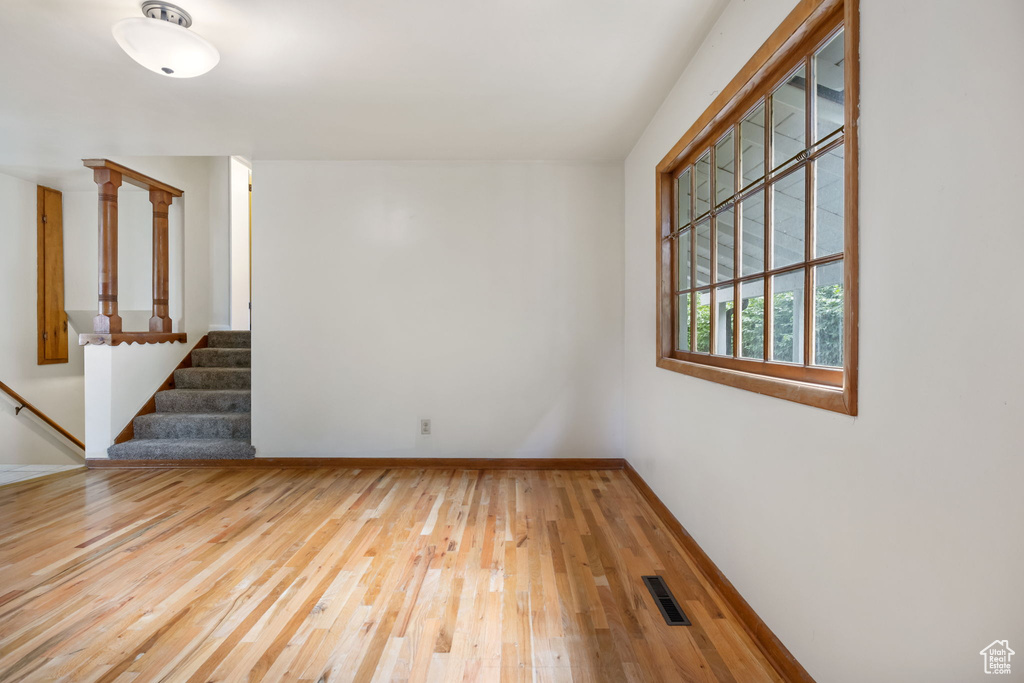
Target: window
x,y
757,221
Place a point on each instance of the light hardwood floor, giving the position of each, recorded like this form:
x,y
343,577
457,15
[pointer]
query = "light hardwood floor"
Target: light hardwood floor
x,y
340,574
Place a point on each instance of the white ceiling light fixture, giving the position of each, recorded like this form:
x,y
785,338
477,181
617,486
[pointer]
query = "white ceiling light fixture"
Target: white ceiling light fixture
x,y
162,43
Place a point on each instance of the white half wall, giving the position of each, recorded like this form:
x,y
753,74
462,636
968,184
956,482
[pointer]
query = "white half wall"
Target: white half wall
x,y
55,389
886,547
118,381
486,297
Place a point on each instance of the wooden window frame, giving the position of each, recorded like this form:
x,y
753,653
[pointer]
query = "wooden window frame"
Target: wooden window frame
x,y
799,34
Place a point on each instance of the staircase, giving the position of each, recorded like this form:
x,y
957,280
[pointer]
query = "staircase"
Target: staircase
x,y
207,413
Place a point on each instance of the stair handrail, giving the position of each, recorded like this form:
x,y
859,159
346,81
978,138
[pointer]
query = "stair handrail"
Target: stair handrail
x,y
25,405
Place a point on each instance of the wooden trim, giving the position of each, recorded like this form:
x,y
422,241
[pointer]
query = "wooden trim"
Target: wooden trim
x,y
851,273
133,177
784,663
46,477
832,377
128,433
807,25
131,338
815,395
374,463
663,256
40,276
41,415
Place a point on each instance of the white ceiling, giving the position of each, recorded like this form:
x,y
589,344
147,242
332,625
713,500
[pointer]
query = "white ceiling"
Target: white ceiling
x,y
348,79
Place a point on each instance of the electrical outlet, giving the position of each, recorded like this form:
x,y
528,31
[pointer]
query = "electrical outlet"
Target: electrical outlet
x,y
425,427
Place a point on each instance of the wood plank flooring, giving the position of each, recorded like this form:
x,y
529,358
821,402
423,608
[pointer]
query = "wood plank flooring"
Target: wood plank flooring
x,y
350,575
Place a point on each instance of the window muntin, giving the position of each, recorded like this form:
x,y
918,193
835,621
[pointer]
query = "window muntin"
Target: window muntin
x,y
774,242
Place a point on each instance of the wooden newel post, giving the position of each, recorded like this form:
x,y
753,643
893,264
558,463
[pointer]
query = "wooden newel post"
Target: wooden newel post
x,y
108,321
161,320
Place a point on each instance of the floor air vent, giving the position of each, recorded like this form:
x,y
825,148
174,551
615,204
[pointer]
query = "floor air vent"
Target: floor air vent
x,y
665,601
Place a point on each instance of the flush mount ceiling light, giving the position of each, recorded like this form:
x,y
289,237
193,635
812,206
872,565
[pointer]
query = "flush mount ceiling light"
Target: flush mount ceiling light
x,y
162,43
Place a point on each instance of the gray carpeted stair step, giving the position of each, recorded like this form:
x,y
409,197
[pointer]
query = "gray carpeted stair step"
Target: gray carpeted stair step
x,y
234,339
204,401
192,426
182,449
212,378
220,358
207,414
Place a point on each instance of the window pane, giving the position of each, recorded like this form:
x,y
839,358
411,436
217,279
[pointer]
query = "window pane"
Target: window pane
x,y
725,311
704,252
725,169
703,305
788,317
702,175
683,199
828,203
752,319
683,340
788,220
752,146
828,96
752,212
828,314
683,260
725,230
789,118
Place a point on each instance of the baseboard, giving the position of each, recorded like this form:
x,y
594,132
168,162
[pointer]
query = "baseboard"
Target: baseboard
x,y
768,643
373,463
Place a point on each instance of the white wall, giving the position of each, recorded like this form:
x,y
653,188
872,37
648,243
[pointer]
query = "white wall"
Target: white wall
x,y
484,296
220,243
886,547
55,389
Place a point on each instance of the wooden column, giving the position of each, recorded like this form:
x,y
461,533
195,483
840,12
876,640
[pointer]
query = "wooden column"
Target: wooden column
x,y
161,320
107,325
108,321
